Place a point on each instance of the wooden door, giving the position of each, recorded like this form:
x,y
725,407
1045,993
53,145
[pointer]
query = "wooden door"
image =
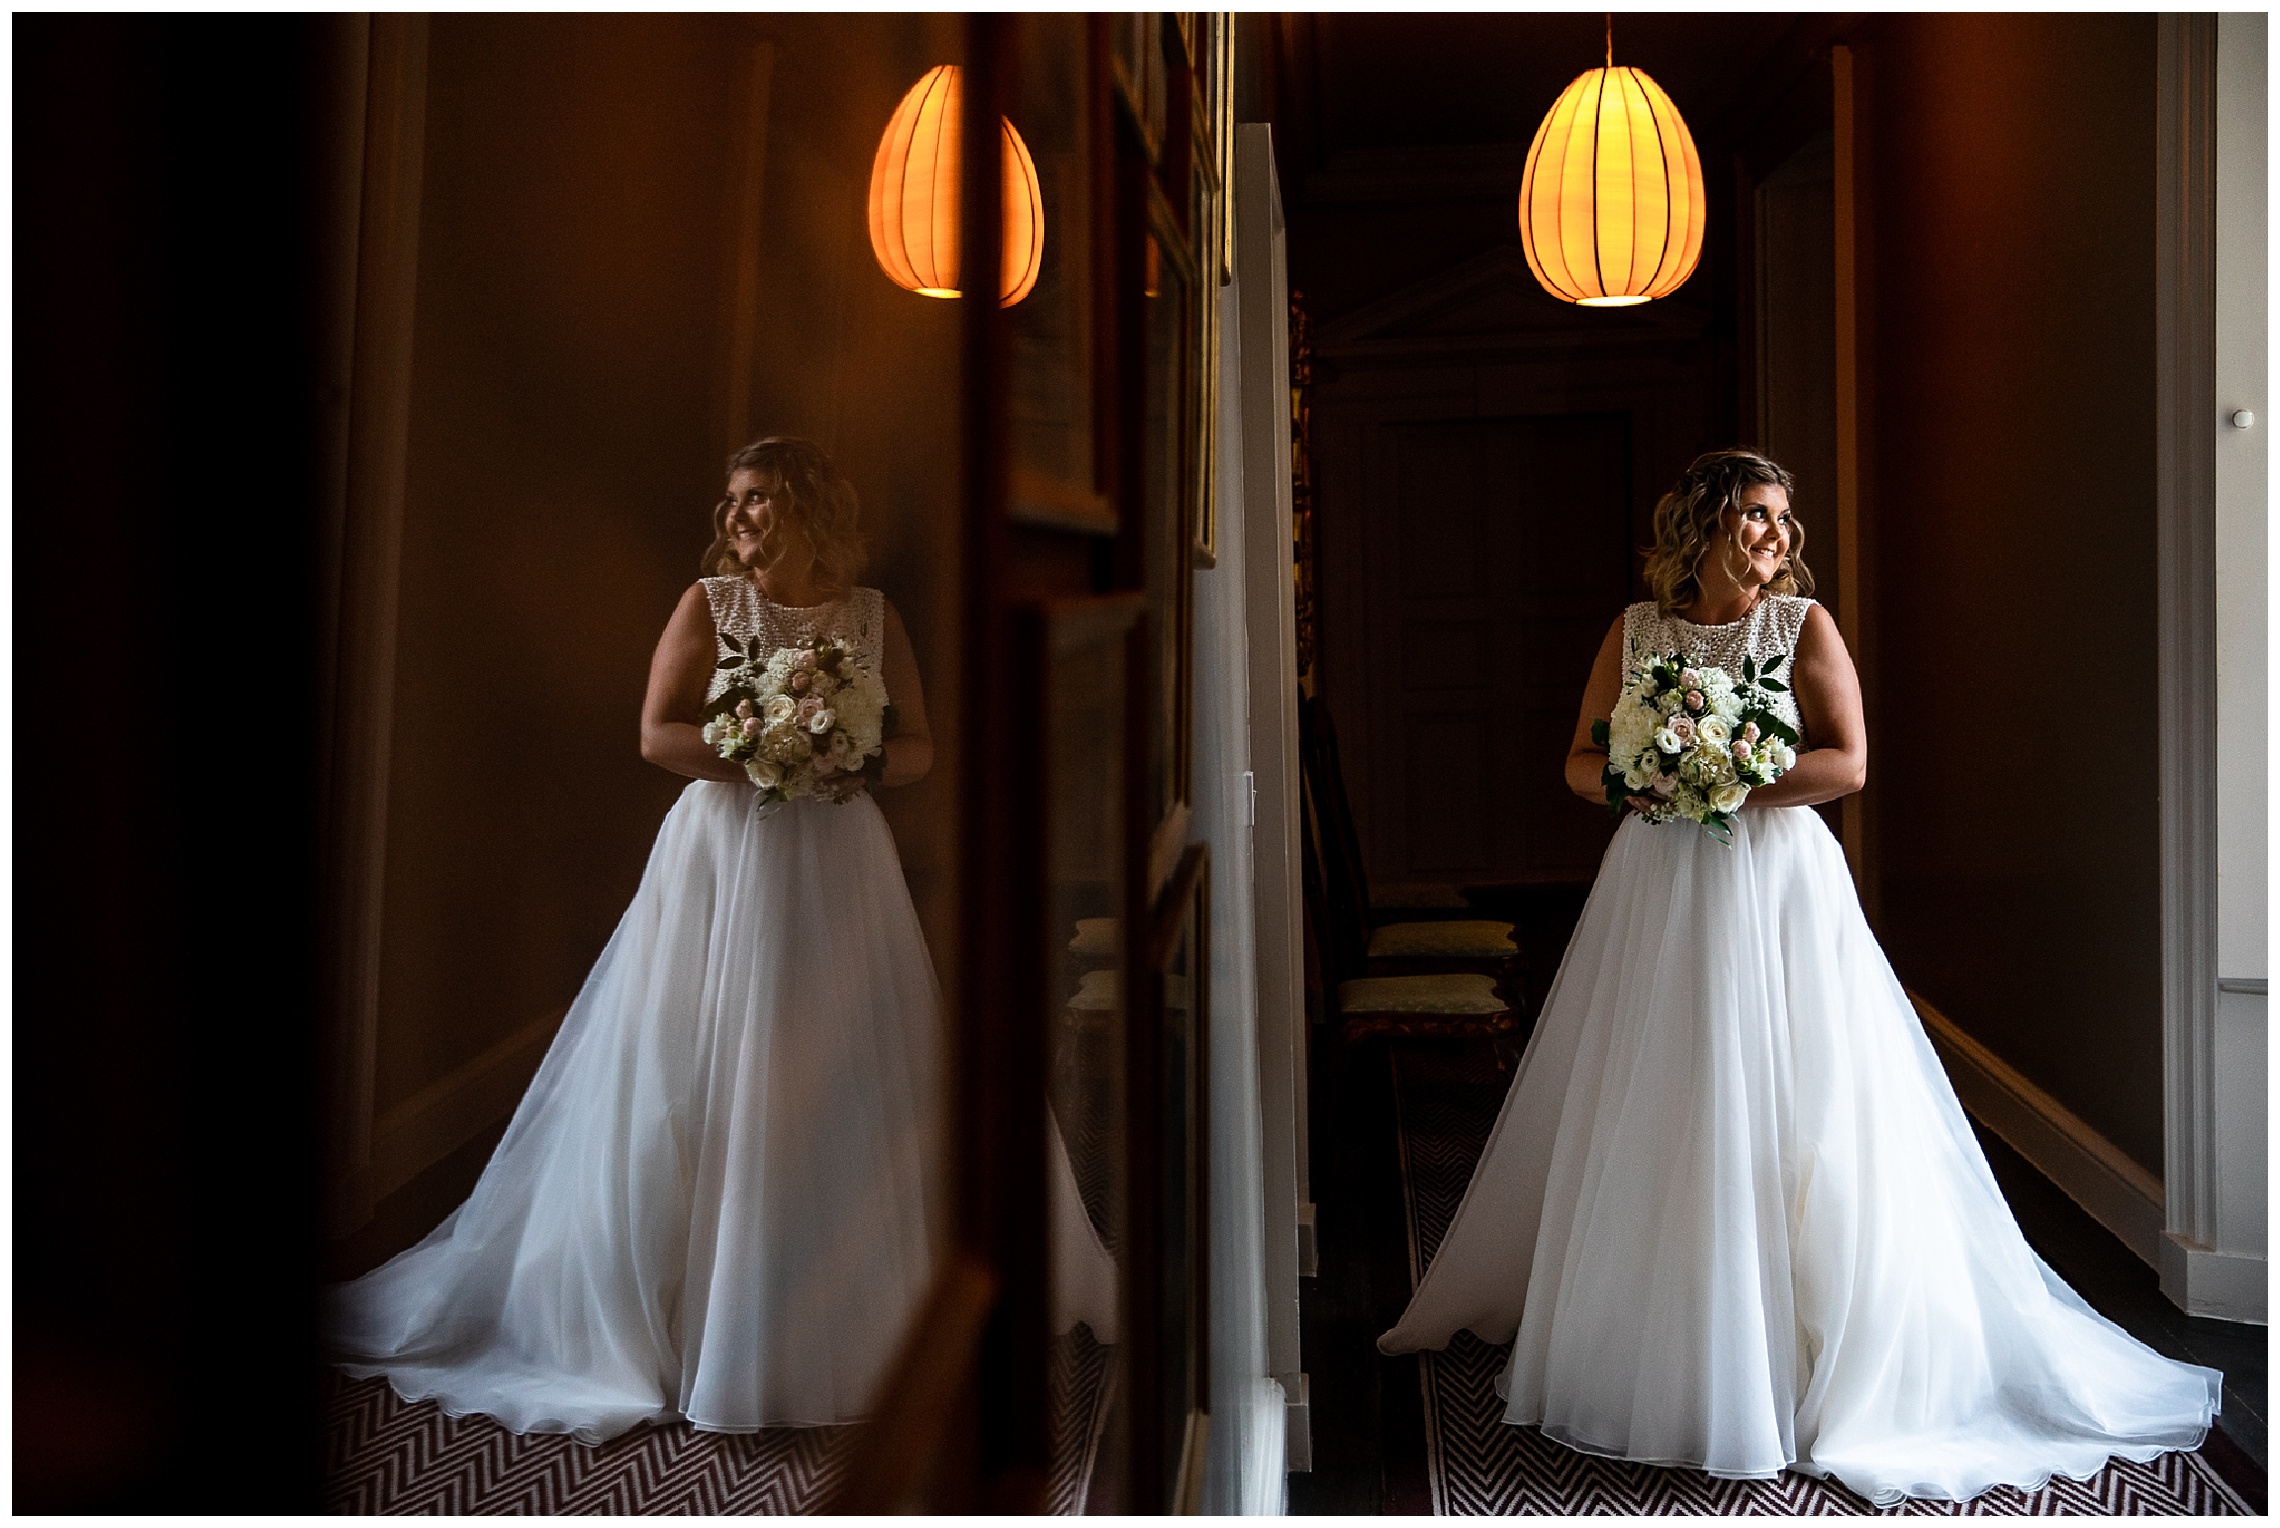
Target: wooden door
x,y
1505,546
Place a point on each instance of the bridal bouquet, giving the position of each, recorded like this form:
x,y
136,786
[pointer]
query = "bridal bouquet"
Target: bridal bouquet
x,y
1688,739
799,717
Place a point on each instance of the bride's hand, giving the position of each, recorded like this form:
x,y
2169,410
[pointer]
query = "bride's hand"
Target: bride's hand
x,y
845,787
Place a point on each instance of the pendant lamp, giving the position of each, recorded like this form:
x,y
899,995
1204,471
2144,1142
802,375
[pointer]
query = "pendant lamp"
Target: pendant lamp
x,y
1611,204
914,196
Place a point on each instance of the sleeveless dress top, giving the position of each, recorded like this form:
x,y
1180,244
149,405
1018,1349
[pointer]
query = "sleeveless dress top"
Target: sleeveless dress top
x,y
739,609
1731,1214
1769,631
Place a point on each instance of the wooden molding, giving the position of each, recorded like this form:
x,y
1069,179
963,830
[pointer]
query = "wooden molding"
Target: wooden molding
x,y
1852,600
2185,620
370,542
740,285
410,1137
2117,1192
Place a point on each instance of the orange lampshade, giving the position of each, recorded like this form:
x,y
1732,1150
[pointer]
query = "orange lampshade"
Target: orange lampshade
x,y
1611,205
914,196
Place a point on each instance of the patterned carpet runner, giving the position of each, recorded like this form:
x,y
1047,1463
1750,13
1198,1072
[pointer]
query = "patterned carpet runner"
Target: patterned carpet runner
x,y
1446,1101
386,1456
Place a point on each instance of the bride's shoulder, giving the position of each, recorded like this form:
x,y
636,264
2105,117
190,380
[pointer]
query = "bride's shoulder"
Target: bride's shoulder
x,y
1791,611
731,599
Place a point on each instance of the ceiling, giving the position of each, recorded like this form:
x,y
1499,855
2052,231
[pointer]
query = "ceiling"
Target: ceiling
x,y
1380,80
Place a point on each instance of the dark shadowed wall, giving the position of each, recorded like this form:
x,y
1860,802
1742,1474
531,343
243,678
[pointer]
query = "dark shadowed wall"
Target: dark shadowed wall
x,y
164,476
2010,545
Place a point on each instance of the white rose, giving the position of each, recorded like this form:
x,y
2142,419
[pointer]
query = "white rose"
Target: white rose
x,y
1728,797
1715,731
764,774
780,708
1636,778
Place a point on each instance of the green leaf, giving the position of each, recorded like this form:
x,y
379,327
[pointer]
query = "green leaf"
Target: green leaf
x,y
1775,684
1599,731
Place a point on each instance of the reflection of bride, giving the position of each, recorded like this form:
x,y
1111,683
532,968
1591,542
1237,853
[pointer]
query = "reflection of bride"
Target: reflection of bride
x,y
716,1200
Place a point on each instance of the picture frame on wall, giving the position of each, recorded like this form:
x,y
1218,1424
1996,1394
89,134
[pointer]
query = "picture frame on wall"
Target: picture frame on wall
x,y
1055,405
1171,338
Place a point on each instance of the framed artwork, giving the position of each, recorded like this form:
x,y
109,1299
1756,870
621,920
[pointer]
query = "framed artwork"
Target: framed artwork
x,y
1169,479
1140,75
1058,395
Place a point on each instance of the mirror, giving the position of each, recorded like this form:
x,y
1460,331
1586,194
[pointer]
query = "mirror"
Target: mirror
x,y
642,243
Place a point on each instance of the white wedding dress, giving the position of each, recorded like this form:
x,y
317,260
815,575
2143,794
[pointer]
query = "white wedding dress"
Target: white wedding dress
x,y
719,1200
1731,1214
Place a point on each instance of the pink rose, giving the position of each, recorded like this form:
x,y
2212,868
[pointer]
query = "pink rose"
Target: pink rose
x,y
1749,732
808,708
1693,700
751,726
1682,727
805,662
799,683
744,708
1665,784
1741,752
1690,678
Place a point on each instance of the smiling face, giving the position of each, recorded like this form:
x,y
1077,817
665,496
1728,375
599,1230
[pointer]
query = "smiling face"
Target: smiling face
x,y
762,530
1762,531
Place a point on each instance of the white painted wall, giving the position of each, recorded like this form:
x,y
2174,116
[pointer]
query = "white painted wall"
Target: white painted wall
x,y
2243,720
1243,667
1261,322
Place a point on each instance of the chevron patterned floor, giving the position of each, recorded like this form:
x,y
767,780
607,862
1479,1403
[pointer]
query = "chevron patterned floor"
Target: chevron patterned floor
x,y
386,1456
1446,1103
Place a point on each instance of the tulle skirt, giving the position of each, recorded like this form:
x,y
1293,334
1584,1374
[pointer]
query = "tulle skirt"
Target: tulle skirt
x,y
1732,1216
717,1200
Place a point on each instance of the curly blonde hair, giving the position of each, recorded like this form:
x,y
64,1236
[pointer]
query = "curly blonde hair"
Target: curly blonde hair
x,y
822,502
1690,525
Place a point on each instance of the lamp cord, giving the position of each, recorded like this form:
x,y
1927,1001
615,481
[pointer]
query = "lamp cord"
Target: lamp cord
x,y
1610,39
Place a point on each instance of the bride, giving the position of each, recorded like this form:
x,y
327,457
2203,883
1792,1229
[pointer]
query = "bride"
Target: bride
x,y
1731,1214
717,1201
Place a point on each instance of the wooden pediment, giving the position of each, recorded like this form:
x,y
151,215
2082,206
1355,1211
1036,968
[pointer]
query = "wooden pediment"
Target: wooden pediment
x,y
1491,305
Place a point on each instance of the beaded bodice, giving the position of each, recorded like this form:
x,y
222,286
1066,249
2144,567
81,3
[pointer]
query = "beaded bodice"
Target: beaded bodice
x,y
1770,630
739,609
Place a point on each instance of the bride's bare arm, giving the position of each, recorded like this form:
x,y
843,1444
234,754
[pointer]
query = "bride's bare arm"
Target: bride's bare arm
x,y
910,752
679,673
1828,699
1587,760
